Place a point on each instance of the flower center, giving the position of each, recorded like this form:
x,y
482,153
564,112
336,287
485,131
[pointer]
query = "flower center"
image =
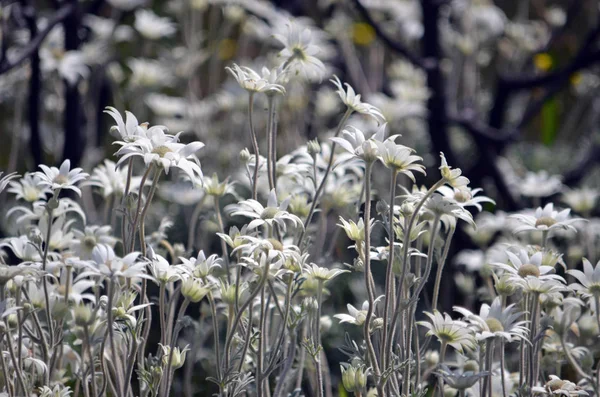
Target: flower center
x,y
462,196
277,246
61,179
298,53
545,221
161,150
89,242
30,193
471,366
595,289
555,384
529,269
269,213
494,325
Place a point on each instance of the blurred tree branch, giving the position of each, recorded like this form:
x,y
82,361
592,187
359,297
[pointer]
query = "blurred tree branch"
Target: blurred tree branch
x,y
33,45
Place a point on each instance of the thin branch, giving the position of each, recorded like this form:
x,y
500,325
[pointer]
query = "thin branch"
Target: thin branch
x,y
576,174
33,45
387,40
468,120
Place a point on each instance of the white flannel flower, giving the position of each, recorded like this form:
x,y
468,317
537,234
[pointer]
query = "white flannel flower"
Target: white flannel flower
x,y
353,141
558,387
151,26
165,151
85,241
28,188
589,279
539,184
129,130
299,52
353,102
162,271
399,158
273,213
496,322
582,200
465,196
452,176
322,274
63,178
252,82
112,180
545,220
448,210
200,266
23,249
105,263
355,316
521,265
448,331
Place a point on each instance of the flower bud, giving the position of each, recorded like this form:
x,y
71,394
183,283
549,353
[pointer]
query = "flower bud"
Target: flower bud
x,y
245,156
83,315
194,290
177,358
313,147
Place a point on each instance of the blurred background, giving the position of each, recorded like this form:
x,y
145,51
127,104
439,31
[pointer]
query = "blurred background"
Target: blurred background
x,y
506,89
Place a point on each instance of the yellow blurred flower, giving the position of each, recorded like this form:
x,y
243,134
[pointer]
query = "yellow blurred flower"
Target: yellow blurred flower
x,y
543,61
363,33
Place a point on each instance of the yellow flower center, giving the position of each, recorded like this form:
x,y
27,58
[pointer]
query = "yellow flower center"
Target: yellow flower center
x,y
545,221
89,242
269,213
61,179
161,150
529,269
494,325
277,245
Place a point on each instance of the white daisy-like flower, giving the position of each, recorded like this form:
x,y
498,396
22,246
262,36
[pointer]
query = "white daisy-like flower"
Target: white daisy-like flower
x,y
448,210
200,266
353,102
539,184
63,178
299,52
165,151
130,130
546,219
558,387
522,265
28,188
496,322
322,273
151,26
251,81
582,200
273,213
85,241
161,270
589,279
105,263
465,196
452,176
354,142
400,158
449,331
356,316
22,248
112,180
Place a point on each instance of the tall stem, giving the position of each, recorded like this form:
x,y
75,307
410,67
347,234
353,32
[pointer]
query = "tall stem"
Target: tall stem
x,y
404,262
138,208
145,211
440,269
270,139
324,180
389,274
254,147
368,283
111,335
317,342
223,243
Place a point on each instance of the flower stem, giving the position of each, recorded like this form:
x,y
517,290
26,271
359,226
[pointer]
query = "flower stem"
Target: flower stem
x,y
145,211
254,147
317,342
389,274
438,276
315,201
